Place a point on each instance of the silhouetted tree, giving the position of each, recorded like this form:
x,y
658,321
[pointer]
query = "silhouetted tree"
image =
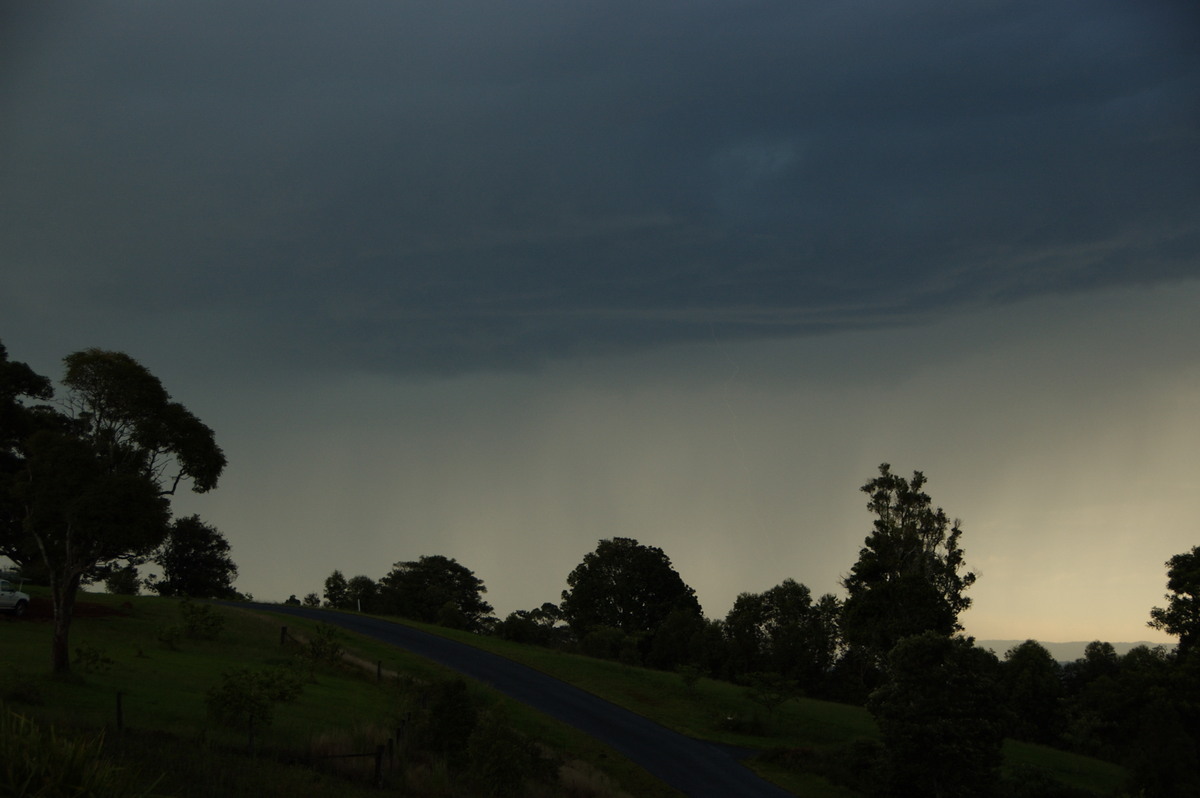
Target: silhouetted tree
x,y
18,384
90,482
627,586
907,579
538,626
676,641
1181,616
195,562
1033,688
1099,660
435,589
782,631
362,593
941,718
123,581
335,591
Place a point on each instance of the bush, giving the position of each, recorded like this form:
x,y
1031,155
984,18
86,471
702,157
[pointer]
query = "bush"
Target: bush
x,y
603,642
201,621
248,697
123,581
501,759
447,720
690,674
770,690
325,645
941,718
40,762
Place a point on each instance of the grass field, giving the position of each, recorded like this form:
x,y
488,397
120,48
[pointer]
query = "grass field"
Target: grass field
x,y
167,732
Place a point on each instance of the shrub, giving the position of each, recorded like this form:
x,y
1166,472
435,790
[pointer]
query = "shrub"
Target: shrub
x,y
325,645
941,718
690,674
770,690
445,723
501,759
248,697
603,642
201,621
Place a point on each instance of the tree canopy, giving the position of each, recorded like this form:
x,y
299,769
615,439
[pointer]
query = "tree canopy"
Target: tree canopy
x,y
86,484
335,591
1181,616
941,718
626,586
782,630
908,578
195,561
435,589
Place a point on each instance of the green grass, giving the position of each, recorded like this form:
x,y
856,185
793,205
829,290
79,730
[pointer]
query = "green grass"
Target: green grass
x,y
800,724
162,694
163,700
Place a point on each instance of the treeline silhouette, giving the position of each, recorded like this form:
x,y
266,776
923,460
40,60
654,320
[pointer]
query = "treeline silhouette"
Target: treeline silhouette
x,y
894,645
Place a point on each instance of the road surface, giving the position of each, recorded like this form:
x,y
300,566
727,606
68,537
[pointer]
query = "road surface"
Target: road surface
x,y
696,768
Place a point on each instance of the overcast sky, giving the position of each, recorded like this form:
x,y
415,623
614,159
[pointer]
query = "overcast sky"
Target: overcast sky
x,y
498,280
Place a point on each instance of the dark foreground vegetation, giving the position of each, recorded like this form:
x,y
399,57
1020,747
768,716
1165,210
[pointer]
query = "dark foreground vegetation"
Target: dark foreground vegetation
x,y
85,485
944,707
192,677
170,698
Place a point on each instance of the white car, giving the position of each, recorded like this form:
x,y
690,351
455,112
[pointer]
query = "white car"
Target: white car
x,y
11,599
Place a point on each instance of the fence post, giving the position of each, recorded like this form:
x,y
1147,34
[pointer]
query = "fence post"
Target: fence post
x,y
379,766
282,635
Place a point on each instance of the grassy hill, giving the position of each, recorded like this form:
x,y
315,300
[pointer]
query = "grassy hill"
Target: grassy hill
x,y
125,647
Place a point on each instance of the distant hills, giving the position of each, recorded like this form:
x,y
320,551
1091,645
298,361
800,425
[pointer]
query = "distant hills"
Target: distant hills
x,y
1065,652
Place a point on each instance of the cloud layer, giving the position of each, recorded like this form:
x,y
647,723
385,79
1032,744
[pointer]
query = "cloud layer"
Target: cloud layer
x,y
432,188
498,280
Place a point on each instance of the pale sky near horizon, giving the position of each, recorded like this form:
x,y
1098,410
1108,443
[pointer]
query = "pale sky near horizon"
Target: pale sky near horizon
x,y
496,284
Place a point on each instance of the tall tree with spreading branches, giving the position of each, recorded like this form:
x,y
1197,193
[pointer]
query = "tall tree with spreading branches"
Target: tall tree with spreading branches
x,y
88,483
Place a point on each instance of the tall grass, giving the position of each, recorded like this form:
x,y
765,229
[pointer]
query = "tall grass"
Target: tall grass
x,y
40,761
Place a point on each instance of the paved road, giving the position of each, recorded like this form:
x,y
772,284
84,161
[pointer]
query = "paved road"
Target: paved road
x,y
694,767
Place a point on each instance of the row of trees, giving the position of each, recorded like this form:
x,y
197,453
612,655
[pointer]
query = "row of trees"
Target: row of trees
x,y
432,589
894,643
625,600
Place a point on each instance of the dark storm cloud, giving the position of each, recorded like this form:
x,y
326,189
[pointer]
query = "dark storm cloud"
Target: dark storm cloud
x,y
449,186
